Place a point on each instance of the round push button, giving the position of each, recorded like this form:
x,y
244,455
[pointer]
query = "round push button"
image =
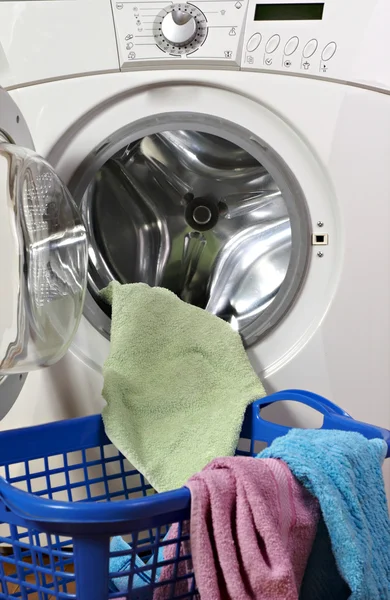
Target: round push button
x,y
291,46
253,42
272,43
310,48
329,51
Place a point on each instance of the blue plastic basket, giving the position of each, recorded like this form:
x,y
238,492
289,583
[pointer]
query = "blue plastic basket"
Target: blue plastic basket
x,y
60,548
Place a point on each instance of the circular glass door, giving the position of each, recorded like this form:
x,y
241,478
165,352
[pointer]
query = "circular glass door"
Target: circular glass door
x,y
192,210
43,253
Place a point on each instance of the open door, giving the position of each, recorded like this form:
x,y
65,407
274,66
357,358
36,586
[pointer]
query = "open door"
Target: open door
x,y
43,253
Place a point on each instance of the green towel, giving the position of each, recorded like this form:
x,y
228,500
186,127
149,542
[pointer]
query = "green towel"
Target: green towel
x,y
177,382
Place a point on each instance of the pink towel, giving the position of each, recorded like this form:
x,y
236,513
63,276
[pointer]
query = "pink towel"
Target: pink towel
x,y
252,530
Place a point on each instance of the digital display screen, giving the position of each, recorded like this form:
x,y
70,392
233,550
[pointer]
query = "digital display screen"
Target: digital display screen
x,y
289,12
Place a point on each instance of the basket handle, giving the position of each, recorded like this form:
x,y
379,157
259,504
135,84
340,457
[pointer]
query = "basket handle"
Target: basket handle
x,y
334,417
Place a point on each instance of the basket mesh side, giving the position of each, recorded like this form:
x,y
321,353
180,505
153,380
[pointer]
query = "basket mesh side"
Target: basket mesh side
x,y
38,566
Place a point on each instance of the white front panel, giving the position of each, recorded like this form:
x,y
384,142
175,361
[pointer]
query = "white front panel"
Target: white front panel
x,y
335,340
46,40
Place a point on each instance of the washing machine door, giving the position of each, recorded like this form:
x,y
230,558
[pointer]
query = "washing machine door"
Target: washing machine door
x,y
43,253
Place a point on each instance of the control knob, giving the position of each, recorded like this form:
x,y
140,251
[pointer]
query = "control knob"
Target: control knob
x,y
179,27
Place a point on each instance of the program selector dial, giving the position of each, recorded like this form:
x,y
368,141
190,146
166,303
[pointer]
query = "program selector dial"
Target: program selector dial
x,y
180,29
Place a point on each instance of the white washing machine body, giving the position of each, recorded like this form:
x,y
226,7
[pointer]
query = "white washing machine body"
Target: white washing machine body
x,y
312,90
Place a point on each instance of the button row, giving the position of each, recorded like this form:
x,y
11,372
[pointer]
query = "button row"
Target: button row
x,y
290,47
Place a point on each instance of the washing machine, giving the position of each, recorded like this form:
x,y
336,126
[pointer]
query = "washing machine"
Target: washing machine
x,y
234,151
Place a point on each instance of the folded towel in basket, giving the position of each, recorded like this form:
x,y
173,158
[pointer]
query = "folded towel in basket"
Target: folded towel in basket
x,y
343,470
177,382
119,564
252,530
122,563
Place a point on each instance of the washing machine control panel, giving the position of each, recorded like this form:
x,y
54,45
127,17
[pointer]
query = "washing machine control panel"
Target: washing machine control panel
x,y
334,39
345,40
292,38
161,32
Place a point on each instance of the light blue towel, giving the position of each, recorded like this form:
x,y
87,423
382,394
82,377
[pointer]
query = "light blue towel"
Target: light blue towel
x,y
123,563
343,470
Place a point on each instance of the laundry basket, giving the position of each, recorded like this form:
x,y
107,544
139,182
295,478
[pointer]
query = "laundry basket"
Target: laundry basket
x,y
57,506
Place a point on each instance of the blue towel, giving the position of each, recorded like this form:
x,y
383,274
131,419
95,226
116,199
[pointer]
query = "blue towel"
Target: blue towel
x,y
123,563
343,470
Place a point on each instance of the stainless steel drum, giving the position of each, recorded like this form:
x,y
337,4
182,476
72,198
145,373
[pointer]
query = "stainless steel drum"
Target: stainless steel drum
x,y
197,213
